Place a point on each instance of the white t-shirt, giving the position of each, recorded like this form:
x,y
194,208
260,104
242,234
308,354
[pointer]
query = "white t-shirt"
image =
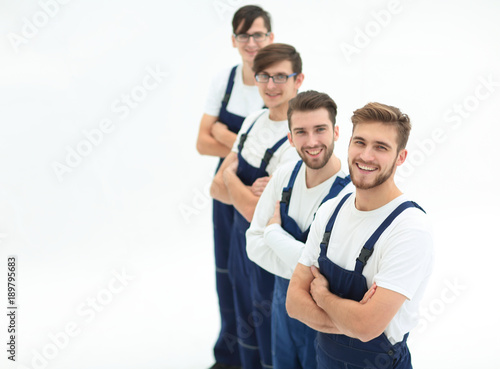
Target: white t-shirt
x,y
244,99
264,135
272,247
401,261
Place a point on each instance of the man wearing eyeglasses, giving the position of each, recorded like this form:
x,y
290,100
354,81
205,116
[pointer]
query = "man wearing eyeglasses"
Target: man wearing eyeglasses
x,y
261,146
232,97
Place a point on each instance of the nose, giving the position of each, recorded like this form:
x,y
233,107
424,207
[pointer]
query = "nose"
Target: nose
x,y
367,154
311,140
270,83
251,41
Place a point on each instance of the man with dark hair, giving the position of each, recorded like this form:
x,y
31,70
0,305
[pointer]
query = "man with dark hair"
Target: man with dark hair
x,y
232,97
373,236
261,147
279,229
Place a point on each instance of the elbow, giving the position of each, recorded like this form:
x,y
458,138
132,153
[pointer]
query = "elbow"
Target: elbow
x,y
250,248
214,190
366,332
248,214
200,147
290,305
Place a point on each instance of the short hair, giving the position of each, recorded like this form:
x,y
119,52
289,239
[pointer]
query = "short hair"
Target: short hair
x,y
248,14
275,53
309,101
386,114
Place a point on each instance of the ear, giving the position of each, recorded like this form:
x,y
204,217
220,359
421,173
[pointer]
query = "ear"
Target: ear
x,y
290,139
336,133
402,157
233,40
271,37
299,80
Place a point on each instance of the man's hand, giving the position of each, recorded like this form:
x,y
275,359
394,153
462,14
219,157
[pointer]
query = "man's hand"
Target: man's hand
x,y
230,170
368,295
259,185
319,286
218,130
276,218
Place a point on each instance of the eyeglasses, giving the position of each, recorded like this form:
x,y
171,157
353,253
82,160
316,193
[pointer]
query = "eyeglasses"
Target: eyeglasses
x,y
278,78
257,37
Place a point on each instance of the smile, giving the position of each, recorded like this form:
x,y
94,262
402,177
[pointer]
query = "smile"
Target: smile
x,y
314,152
366,168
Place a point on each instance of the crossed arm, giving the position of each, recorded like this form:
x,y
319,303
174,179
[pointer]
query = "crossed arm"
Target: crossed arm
x,y
229,189
310,301
214,138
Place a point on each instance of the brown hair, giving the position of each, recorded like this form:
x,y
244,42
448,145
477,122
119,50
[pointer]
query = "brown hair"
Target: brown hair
x,y
309,101
246,15
377,112
274,53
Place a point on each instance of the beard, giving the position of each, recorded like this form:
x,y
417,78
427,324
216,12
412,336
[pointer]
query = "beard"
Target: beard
x,y
377,181
317,163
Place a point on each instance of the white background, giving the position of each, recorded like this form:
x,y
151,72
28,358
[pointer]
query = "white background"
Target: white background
x,y
137,203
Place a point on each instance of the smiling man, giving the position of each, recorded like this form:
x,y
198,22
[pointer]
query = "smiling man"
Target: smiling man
x,y
279,229
373,236
233,95
261,146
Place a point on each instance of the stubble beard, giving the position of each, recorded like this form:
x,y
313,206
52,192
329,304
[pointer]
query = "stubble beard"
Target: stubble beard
x,y
380,179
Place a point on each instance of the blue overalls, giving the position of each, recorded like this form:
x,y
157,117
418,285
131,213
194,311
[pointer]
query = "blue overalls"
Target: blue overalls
x,y
252,285
293,341
340,351
224,349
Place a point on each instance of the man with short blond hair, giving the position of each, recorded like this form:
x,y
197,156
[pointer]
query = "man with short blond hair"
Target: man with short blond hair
x,y
375,236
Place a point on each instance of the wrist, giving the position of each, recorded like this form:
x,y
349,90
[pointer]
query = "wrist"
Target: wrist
x,y
228,175
323,297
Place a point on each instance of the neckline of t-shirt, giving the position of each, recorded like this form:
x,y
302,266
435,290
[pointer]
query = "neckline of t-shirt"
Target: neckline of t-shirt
x,y
381,211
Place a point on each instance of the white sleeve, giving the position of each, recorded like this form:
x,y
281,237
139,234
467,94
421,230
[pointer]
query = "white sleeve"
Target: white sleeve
x,y
216,92
285,247
258,250
408,256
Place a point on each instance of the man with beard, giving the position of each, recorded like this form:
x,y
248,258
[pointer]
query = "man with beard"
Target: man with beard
x,y
373,236
279,229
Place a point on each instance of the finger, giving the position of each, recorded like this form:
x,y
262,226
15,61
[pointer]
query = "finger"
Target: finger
x,y
315,271
369,294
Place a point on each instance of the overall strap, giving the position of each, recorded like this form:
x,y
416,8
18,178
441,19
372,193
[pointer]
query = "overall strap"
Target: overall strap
x,y
229,87
329,225
244,136
287,191
270,152
337,186
367,249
